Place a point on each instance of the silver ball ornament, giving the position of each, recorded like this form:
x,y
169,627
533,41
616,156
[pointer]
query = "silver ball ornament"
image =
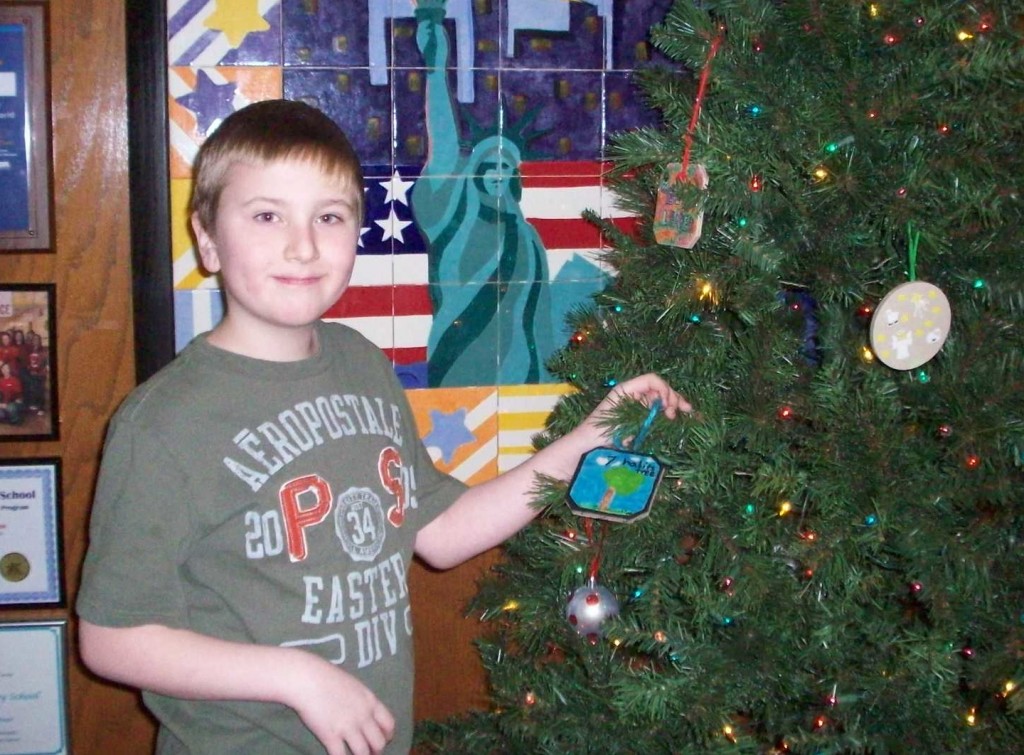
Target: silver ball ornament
x,y
589,607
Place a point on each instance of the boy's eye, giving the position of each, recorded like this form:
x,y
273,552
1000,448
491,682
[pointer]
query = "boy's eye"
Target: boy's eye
x,y
331,218
265,217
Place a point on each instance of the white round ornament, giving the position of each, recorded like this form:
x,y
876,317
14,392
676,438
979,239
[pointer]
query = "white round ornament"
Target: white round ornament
x,y
910,325
589,607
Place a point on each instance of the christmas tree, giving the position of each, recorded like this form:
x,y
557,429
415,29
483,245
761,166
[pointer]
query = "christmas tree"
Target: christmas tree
x,y
832,561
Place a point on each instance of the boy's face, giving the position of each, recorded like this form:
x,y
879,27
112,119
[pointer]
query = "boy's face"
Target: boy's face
x,y
284,243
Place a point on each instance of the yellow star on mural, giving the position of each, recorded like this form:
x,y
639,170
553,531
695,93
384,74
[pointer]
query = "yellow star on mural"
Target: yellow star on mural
x,y
236,19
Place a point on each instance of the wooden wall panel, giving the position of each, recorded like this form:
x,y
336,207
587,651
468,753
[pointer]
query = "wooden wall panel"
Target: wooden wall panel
x,y
90,265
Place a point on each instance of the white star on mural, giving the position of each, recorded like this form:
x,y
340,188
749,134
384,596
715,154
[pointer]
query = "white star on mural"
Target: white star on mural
x,y
397,188
393,226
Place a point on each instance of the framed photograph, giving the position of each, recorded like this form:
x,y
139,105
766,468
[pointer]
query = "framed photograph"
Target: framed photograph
x,y
31,572
28,362
33,688
25,163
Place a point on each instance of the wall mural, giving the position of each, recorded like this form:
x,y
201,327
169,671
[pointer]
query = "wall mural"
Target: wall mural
x,y
481,125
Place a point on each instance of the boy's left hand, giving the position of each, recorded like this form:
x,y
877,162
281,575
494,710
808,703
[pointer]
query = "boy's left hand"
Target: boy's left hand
x,y
643,388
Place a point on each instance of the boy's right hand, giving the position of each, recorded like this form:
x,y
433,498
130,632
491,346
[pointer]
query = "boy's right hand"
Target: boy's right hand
x,y
340,710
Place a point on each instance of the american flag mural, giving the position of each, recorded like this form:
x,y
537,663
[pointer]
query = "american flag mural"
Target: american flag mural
x,y
570,62
387,299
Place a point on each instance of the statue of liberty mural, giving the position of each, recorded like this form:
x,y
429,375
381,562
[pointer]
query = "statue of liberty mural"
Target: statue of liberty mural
x,y
487,271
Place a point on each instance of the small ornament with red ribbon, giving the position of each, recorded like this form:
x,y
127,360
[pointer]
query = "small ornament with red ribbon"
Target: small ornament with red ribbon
x,y
591,605
679,209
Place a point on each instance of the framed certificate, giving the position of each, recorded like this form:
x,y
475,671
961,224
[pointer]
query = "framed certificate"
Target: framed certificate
x,y
30,533
24,128
33,688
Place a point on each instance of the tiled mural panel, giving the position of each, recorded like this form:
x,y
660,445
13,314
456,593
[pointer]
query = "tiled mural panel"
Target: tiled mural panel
x,y
473,249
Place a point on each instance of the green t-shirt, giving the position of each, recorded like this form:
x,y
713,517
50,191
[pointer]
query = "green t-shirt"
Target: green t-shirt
x,y
266,502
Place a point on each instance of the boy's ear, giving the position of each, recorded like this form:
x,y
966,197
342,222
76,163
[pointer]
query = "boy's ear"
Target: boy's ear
x,y
206,246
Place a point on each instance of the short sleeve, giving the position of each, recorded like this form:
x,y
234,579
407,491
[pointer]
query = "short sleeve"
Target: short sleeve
x,y
137,534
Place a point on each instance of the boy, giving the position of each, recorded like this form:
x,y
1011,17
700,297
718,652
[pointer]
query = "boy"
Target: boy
x,y
261,497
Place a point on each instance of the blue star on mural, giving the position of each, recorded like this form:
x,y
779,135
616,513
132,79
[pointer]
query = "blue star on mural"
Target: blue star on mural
x,y
448,432
210,101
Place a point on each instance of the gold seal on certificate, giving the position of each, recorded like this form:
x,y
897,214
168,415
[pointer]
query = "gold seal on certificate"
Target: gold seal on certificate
x,y
14,567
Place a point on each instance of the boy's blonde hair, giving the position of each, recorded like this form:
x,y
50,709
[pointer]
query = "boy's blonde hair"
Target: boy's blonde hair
x,y
265,132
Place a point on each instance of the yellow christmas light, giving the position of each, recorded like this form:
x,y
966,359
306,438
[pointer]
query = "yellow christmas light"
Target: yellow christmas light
x,y
785,507
729,733
867,355
820,173
706,292
512,605
874,10
971,717
964,36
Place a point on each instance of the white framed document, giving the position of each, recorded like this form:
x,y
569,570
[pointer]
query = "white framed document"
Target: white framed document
x,y
33,688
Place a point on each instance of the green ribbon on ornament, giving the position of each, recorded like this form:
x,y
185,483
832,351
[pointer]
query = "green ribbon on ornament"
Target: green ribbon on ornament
x,y
912,238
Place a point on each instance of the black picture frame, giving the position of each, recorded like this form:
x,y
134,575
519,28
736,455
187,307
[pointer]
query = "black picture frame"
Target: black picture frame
x,y
25,147
31,540
28,309
149,185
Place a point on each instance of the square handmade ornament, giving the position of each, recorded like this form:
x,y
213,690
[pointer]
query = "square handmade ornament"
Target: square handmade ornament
x,y
679,212
615,484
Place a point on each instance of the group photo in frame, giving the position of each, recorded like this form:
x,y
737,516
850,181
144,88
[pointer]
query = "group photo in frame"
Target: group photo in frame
x,y
31,561
34,688
28,367
25,159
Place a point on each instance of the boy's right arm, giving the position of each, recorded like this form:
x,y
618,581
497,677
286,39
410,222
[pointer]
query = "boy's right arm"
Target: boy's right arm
x,y
339,710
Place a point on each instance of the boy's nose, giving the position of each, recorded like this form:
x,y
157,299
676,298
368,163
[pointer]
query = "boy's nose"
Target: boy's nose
x,y
302,244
